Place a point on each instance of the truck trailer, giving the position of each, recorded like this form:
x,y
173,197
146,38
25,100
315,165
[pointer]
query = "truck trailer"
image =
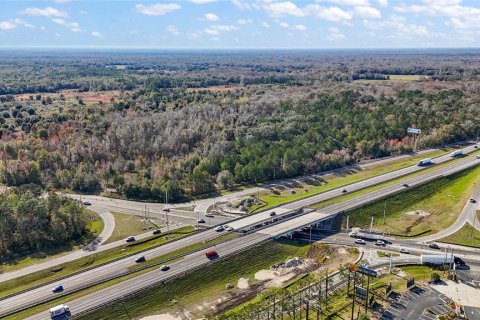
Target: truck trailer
x,y
437,259
366,235
60,312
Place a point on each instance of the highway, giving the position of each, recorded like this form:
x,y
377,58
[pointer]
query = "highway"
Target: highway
x,y
196,260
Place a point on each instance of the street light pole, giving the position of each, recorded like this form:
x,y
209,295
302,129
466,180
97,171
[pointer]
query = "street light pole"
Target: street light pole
x,y
371,225
384,211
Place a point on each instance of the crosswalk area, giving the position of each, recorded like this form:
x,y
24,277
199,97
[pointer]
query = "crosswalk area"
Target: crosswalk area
x,y
423,303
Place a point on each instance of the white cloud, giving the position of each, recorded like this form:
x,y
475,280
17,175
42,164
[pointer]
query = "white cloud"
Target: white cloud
x,y
211,17
62,1
382,2
265,25
202,1
284,25
330,13
352,3
73,26
217,28
59,21
242,5
367,12
334,34
158,9
96,34
45,12
299,27
280,9
401,30
83,12
20,22
7,25
244,21
172,30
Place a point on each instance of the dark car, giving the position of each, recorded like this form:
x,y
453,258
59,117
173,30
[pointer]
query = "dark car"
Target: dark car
x,y
344,191
86,203
130,239
273,214
405,185
165,267
157,231
433,246
140,259
473,200
58,288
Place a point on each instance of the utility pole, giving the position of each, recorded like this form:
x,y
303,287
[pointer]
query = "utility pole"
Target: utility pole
x,y
348,217
371,225
166,212
353,295
384,211
390,267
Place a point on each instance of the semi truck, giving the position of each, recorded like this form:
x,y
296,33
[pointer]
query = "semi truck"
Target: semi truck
x,y
60,312
366,235
456,153
424,162
437,259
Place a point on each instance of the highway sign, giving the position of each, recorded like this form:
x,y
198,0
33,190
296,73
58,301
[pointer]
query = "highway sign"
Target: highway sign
x,y
361,292
414,130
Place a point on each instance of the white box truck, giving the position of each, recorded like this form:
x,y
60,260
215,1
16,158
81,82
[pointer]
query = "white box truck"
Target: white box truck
x,y
437,259
424,162
60,312
456,153
366,235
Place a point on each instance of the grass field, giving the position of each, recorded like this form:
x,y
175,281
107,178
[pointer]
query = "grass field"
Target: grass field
x,y
393,78
37,278
95,226
304,190
127,225
442,200
466,236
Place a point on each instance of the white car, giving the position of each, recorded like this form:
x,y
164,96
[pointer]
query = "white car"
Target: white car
x,y
219,228
403,250
209,215
230,229
380,243
360,241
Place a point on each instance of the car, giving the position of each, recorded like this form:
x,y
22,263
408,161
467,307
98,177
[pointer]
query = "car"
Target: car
x,y
433,246
166,209
165,267
140,259
475,146
472,200
86,203
405,185
156,231
360,241
404,250
201,220
380,243
210,254
219,228
130,239
229,228
209,215
273,214
344,190
57,288
478,156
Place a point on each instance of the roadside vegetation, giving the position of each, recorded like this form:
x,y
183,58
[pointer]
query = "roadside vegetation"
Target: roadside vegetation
x,y
50,274
466,236
129,225
421,210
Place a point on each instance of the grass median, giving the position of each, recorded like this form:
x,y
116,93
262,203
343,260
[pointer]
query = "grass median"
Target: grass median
x,y
466,236
192,287
50,274
336,180
422,210
128,225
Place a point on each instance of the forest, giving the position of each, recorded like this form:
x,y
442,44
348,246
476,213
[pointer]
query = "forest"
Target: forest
x,y
30,223
137,124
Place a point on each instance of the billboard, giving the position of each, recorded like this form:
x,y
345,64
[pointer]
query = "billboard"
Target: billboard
x,y
414,130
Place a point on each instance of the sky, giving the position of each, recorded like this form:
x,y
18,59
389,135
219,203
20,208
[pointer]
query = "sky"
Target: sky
x,y
261,24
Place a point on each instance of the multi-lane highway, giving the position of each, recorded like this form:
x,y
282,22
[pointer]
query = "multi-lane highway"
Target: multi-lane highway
x,y
196,260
